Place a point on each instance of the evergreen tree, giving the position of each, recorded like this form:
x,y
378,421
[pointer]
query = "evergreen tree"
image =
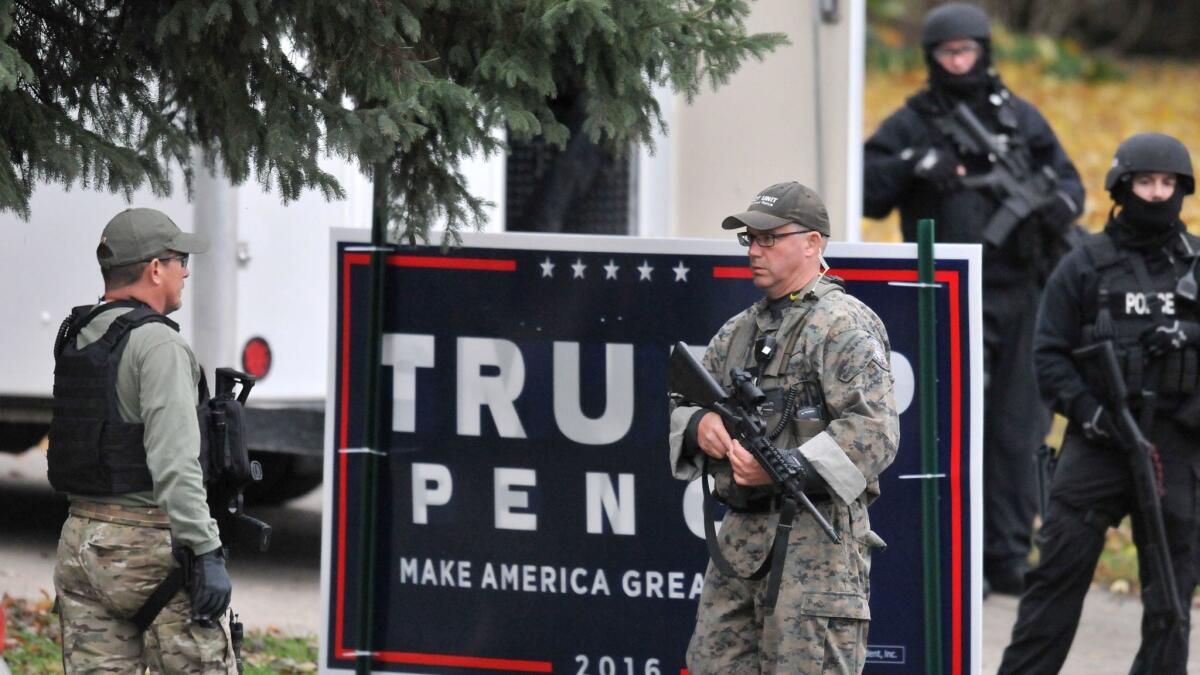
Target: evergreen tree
x,y
111,93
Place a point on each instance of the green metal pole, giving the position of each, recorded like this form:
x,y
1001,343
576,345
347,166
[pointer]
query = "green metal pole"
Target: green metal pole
x,y
372,436
927,394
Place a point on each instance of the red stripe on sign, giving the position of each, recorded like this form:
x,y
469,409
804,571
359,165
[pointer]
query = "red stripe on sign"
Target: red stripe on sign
x,y
463,662
726,272
956,573
348,261
875,275
440,262
731,272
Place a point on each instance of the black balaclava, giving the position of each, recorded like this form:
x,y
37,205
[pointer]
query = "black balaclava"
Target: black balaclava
x,y
1145,225
956,21
973,84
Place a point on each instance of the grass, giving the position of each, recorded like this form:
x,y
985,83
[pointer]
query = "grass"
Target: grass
x,y
1118,566
32,643
266,652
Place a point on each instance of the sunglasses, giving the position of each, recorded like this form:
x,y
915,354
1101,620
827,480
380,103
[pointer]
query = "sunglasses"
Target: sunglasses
x,y
183,259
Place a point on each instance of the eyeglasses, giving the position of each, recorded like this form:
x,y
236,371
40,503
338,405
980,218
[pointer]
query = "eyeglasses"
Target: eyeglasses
x,y
945,53
765,239
183,259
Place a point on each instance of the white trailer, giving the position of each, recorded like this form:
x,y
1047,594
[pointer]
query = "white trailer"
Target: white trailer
x,y
264,284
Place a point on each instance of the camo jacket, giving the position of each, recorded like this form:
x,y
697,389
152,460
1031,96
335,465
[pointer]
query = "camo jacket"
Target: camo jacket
x,y
832,339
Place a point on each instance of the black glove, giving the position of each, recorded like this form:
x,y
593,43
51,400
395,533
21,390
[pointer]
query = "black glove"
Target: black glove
x,y
1170,337
209,586
1058,214
934,166
1095,421
1100,426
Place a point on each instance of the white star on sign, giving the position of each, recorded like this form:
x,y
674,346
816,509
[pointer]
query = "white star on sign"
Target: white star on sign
x,y
610,270
547,268
579,267
644,271
681,272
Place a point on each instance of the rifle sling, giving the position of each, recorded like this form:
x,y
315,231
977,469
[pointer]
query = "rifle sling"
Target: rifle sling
x,y
158,599
772,562
783,530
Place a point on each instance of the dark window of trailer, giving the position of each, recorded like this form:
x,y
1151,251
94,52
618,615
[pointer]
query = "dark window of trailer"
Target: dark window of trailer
x,y
580,189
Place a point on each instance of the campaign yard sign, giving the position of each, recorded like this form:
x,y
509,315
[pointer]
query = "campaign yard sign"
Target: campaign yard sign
x,y
527,520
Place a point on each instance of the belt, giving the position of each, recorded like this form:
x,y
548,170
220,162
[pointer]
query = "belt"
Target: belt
x,y
140,516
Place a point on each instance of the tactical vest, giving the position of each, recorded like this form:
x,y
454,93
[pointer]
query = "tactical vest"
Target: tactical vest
x,y
794,411
1130,299
92,450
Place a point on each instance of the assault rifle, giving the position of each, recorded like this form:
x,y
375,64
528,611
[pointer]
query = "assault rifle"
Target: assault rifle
x,y
1101,360
228,468
1021,189
739,411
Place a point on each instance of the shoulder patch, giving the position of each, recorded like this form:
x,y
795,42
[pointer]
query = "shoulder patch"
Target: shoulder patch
x,y
855,351
878,354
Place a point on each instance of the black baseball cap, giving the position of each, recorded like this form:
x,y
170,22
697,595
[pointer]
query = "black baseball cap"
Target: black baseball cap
x,y
779,205
135,235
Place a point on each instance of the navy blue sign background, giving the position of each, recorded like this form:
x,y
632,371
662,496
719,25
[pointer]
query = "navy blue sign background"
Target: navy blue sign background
x,y
454,592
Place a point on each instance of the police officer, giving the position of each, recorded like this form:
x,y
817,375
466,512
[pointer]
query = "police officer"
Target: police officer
x,y
826,372
1135,284
913,162
124,445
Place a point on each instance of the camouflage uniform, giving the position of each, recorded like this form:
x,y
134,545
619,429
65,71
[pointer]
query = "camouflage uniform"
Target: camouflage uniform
x,y
115,549
821,617
110,558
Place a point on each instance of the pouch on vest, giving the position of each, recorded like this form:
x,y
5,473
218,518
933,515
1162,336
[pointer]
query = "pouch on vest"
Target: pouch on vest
x,y
225,459
1130,300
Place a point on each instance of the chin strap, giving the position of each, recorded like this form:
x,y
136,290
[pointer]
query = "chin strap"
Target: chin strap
x,y
822,269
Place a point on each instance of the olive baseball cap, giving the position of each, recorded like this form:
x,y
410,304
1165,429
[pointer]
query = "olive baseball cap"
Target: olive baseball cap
x,y
779,205
135,235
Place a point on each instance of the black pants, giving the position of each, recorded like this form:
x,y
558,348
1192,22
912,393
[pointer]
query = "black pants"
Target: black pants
x,y
1014,426
1092,489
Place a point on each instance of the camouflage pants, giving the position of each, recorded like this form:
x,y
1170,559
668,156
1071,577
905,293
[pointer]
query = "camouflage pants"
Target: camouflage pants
x,y
820,619
104,573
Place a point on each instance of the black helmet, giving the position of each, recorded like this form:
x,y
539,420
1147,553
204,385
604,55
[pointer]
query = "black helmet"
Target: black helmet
x,y
952,21
1150,152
